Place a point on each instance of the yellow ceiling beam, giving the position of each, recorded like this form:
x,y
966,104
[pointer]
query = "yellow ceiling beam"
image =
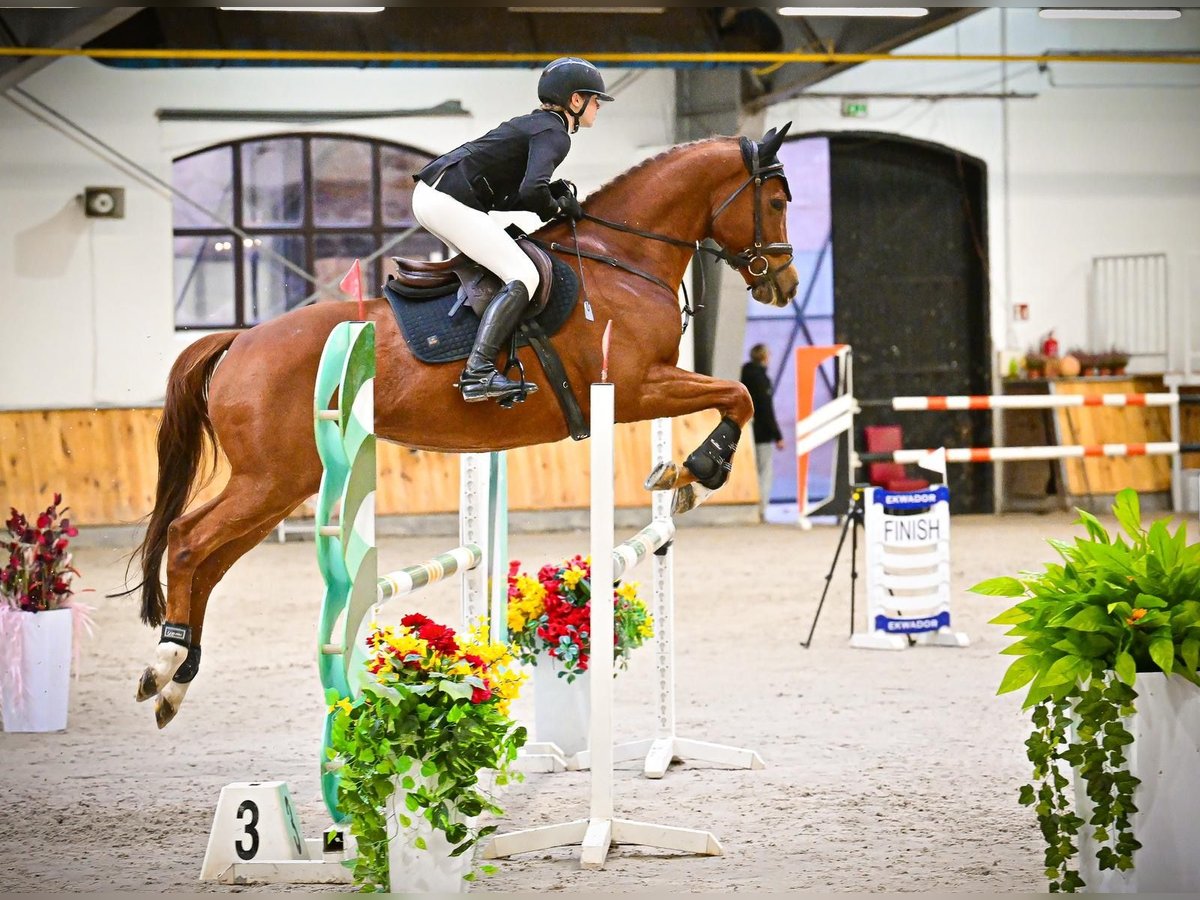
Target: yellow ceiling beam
x,y
758,59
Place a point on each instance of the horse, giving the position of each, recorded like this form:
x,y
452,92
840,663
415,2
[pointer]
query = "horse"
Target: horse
x,y
631,248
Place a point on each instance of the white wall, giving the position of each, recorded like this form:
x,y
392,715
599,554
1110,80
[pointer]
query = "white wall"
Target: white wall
x,y
86,304
1105,160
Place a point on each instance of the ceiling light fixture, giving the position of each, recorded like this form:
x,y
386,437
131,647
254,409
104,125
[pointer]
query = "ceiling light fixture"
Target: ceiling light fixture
x,y
594,10
315,9
1109,13
904,12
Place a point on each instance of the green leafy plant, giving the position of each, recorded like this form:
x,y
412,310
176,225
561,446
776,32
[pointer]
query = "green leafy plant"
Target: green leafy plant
x,y
432,717
1085,627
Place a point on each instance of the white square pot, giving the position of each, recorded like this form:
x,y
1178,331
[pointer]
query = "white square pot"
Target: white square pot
x,y
412,870
561,709
1165,755
45,661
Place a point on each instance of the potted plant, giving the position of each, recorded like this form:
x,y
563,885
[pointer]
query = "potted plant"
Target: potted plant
x,y
548,622
39,621
1108,642
1035,364
1116,361
418,749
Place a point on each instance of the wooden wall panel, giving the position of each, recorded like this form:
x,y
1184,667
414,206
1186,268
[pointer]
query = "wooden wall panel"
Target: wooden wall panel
x,y
103,462
1115,425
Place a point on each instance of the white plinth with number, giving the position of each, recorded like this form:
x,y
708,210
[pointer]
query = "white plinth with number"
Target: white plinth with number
x,y
256,837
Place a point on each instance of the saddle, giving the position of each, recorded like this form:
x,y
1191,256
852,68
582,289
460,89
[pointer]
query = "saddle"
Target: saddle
x,y
417,279
427,299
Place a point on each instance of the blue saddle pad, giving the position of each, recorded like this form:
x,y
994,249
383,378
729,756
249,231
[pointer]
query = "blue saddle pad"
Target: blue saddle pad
x,y
434,336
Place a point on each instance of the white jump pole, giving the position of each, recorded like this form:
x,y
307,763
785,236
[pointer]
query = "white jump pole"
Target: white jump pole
x,y
597,832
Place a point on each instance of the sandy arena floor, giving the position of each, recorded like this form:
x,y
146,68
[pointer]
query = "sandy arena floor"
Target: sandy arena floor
x,y
885,771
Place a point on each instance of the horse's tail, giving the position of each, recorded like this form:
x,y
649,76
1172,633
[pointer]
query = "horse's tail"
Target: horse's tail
x,y
181,433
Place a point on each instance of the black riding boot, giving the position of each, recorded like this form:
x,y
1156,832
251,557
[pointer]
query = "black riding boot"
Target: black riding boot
x,y
480,380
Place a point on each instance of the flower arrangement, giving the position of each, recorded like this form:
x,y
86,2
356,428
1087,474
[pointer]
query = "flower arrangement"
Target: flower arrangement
x,y
432,713
37,576
551,614
1085,628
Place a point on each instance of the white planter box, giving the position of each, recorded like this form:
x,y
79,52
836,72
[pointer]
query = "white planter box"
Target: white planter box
x,y
1165,755
412,870
45,662
561,710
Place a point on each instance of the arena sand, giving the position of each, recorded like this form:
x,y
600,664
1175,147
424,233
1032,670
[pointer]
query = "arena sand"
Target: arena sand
x,y
884,771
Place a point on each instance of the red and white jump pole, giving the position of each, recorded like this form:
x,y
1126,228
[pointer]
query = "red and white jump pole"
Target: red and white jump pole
x,y
837,417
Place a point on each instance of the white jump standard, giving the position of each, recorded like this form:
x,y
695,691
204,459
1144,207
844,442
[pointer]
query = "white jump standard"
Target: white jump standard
x,y
596,833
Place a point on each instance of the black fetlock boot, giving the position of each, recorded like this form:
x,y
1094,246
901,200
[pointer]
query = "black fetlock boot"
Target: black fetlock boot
x,y
480,380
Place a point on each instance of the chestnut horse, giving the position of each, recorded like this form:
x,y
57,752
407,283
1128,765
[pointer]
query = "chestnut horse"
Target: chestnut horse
x,y
257,404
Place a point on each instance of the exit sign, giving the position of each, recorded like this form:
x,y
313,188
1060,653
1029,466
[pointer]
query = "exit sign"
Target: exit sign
x,y
854,109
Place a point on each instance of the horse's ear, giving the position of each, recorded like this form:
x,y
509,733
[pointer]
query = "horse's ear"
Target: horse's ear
x,y
770,144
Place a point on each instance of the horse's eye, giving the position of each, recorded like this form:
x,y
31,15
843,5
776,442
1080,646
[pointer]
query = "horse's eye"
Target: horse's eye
x,y
777,203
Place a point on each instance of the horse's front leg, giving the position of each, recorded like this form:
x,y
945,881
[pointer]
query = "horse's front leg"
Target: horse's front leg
x,y
669,392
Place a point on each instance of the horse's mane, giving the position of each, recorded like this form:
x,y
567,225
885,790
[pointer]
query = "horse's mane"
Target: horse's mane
x,y
631,173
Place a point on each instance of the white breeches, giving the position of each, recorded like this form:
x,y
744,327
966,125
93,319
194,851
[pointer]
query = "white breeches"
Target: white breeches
x,y
474,233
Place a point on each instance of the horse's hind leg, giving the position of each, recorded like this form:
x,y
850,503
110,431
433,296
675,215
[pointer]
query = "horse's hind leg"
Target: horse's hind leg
x,y
669,392
202,546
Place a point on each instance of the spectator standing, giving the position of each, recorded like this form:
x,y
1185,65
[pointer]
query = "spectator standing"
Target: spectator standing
x,y
767,437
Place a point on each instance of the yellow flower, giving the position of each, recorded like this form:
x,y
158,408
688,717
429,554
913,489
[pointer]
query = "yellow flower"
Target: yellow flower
x,y
629,590
344,705
646,629
571,577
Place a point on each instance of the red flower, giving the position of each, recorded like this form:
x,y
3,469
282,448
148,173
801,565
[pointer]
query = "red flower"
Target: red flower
x,y
475,661
481,695
514,566
440,637
415,620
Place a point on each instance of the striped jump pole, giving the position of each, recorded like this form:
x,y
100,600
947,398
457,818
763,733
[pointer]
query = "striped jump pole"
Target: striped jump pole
x,y
1012,454
597,832
1032,401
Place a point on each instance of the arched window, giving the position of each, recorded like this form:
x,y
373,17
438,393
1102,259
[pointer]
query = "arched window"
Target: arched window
x,y
276,221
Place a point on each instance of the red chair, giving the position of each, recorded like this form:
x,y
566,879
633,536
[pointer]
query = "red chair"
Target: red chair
x,y
889,475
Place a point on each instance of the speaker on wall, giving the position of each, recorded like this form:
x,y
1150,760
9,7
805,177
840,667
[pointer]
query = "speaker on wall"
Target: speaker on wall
x,y
104,202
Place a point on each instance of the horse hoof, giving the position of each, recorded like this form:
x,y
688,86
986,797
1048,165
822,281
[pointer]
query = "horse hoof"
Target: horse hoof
x,y
689,497
169,701
170,657
662,477
148,686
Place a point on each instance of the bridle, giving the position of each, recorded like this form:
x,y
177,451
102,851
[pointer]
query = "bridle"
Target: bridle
x,y
746,259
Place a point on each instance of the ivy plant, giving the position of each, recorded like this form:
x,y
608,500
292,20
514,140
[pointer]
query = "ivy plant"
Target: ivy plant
x,y
432,716
1116,605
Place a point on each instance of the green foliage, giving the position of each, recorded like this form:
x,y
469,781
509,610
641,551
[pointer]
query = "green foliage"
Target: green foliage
x,y
427,723
1115,606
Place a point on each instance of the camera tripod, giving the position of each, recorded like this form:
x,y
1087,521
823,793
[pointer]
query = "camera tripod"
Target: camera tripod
x,y
851,523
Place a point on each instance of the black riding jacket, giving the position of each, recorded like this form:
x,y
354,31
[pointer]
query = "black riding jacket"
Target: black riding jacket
x,y
509,168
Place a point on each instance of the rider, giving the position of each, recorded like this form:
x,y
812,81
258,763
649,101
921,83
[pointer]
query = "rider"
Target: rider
x,y
509,168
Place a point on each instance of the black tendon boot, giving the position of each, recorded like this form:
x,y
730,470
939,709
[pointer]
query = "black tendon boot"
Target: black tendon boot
x,y
480,380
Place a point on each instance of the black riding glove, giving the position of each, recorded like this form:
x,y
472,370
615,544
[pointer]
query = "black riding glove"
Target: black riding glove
x,y
561,188
569,207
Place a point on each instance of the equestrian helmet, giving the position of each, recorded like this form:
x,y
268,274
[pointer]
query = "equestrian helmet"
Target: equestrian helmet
x,y
568,75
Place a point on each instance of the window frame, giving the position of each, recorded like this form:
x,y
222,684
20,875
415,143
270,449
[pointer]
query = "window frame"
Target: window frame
x,y
307,231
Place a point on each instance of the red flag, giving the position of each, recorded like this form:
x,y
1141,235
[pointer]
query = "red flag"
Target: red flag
x,y
352,284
